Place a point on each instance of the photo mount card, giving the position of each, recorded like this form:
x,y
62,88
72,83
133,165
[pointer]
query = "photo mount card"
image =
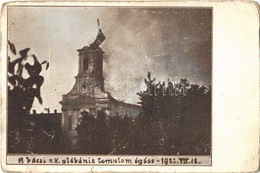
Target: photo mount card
x,y
130,86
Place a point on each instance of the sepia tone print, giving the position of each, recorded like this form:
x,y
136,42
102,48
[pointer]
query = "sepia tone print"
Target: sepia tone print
x,y
109,80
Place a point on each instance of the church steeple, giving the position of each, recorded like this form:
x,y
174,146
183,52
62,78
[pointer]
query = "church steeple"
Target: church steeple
x,y
91,61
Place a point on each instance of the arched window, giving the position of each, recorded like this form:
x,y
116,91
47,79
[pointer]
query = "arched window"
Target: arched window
x,y
70,123
85,63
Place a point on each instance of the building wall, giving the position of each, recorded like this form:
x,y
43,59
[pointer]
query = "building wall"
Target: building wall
x,y
69,120
39,141
123,109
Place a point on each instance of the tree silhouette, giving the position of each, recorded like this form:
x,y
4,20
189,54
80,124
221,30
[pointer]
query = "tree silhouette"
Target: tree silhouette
x,y
93,134
178,116
21,94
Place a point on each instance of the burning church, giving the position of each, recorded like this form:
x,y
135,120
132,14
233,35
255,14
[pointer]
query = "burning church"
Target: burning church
x,y
88,92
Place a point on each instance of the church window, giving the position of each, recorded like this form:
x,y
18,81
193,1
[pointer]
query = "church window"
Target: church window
x,y
70,123
85,64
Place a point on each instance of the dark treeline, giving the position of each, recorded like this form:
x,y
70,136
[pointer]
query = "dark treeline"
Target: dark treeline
x,y
176,119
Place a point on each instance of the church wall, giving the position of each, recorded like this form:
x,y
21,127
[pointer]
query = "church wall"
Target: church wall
x,y
63,115
75,119
123,109
133,111
69,122
69,116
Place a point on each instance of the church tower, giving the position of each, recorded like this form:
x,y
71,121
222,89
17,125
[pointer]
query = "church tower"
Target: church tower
x,y
90,70
88,92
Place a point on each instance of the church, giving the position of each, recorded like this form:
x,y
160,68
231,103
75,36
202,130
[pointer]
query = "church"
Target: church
x,y
88,92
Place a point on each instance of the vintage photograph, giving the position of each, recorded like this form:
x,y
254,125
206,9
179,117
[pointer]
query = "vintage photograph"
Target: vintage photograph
x,y
88,80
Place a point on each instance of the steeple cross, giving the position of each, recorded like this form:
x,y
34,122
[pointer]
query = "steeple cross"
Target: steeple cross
x,y
98,23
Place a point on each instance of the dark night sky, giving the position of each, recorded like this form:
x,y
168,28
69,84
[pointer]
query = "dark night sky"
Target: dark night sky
x,y
169,42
